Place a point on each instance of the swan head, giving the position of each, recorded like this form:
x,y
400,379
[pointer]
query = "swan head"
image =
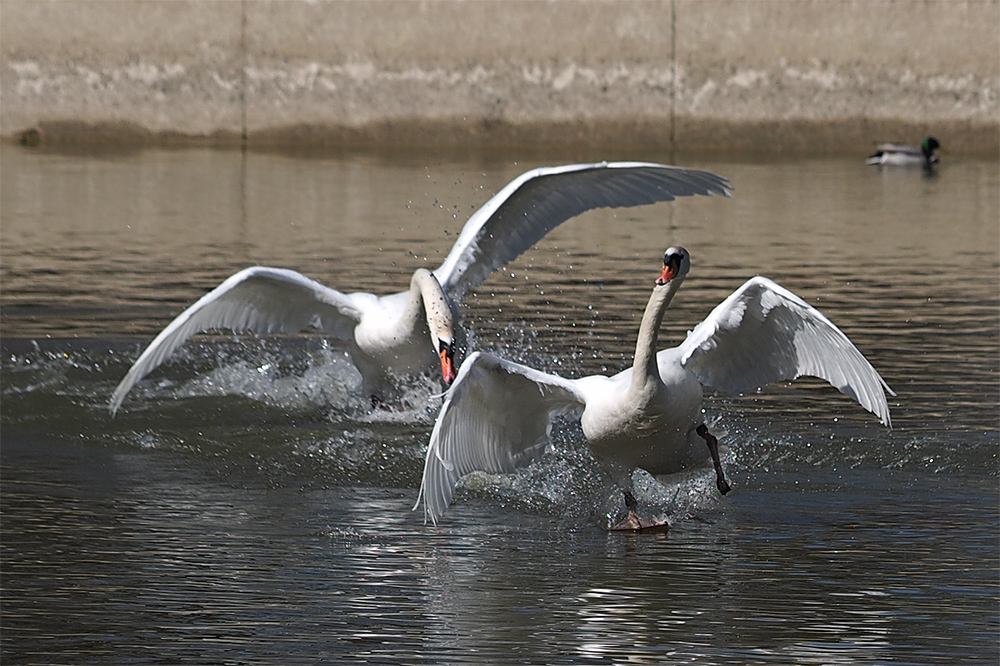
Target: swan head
x,y
676,264
446,350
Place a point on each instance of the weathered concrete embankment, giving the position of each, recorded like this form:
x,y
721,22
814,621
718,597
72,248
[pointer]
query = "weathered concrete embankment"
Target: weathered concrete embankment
x,y
729,75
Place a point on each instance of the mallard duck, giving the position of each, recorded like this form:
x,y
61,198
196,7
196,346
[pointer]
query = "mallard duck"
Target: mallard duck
x,y
900,154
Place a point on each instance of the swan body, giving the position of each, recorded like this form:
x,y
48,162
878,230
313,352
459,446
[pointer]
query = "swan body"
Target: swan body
x,y
652,426
381,332
411,331
900,154
497,414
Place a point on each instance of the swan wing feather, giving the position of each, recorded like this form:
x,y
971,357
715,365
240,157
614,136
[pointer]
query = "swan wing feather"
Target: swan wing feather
x,y
763,333
537,201
259,299
496,418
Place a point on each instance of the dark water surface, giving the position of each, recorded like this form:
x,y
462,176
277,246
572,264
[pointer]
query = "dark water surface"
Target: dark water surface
x,y
246,507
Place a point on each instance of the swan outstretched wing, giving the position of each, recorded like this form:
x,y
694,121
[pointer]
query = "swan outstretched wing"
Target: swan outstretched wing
x,y
496,418
259,299
764,333
537,201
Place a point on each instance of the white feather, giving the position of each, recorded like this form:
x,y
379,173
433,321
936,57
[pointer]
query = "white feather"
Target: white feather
x,y
497,414
387,333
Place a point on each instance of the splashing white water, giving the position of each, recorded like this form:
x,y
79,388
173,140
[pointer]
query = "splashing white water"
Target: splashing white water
x,y
329,379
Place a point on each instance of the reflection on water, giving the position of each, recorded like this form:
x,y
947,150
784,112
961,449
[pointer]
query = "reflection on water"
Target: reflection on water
x,y
246,507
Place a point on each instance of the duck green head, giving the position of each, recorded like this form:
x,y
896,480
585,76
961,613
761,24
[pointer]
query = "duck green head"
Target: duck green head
x,y
929,145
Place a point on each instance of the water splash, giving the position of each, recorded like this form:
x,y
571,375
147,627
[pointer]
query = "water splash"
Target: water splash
x,y
569,483
329,378
297,405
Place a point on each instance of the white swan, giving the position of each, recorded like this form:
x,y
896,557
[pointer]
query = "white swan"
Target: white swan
x,y
413,330
497,415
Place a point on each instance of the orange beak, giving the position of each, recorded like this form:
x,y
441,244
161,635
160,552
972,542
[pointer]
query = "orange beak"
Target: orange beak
x,y
666,276
447,366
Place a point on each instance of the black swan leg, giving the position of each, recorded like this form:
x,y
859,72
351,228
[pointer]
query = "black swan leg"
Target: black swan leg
x,y
713,448
631,502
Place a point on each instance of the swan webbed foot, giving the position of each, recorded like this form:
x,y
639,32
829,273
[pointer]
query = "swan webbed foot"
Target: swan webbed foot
x,y
713,448
629,523
633,522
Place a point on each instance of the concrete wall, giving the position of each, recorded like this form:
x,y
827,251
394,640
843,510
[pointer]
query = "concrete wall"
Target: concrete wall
x,y
803,75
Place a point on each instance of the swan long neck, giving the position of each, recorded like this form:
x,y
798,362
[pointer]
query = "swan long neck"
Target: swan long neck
x,y
644,366
426,295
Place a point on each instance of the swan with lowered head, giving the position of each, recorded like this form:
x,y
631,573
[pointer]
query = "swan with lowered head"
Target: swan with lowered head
x,y
412,331
900,154
497,414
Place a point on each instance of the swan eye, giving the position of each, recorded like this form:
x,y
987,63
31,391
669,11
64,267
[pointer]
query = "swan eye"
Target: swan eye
x,y
677,254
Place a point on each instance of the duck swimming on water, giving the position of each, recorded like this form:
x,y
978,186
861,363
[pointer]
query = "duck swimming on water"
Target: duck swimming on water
x,y
900,154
